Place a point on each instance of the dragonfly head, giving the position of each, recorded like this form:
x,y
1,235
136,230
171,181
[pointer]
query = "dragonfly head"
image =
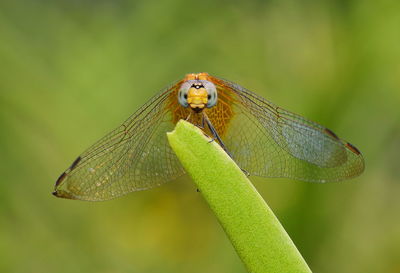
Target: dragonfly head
x,y
197,94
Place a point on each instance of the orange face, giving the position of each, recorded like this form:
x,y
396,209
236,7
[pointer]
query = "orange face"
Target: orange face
x,y
262,138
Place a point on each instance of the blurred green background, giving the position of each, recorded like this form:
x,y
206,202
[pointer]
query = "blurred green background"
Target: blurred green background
x,y
70,71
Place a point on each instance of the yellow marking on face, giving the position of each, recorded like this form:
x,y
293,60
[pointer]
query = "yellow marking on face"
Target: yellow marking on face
x,y
197,97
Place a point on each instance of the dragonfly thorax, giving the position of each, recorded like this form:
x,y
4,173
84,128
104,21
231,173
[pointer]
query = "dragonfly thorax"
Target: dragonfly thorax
x,y
197,94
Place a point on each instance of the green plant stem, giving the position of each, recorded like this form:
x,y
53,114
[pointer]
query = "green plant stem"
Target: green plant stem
x,y
259,239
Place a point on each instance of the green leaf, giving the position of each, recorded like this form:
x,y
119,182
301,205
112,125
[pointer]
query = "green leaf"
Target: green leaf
x,y
259,239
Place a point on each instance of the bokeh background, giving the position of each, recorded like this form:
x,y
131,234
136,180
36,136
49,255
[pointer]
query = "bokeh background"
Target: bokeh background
x,y
70,71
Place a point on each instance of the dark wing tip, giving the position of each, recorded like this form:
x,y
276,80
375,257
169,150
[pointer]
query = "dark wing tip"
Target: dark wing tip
x,y
75,163
61,178
352,148
331,133
63,194
64,174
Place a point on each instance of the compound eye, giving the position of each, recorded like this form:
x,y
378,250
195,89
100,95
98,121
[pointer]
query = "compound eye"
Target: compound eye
x,y
212,94
183,94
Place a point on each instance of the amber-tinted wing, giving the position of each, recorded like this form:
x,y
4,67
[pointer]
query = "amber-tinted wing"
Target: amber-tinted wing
x,y
135,156
268,141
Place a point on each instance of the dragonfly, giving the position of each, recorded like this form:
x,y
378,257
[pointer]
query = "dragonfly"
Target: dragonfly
x,y
262,138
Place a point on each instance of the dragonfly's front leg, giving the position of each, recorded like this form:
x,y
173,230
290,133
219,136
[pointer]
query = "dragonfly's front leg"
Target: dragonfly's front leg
x,y
215,135
221,143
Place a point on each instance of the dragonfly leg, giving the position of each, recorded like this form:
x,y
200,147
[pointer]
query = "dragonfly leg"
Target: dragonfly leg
x,y
245,172
215,135
221,143
212,139
202,125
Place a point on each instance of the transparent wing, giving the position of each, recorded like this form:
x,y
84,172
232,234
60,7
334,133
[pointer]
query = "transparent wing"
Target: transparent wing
x,y
268,141
135,156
